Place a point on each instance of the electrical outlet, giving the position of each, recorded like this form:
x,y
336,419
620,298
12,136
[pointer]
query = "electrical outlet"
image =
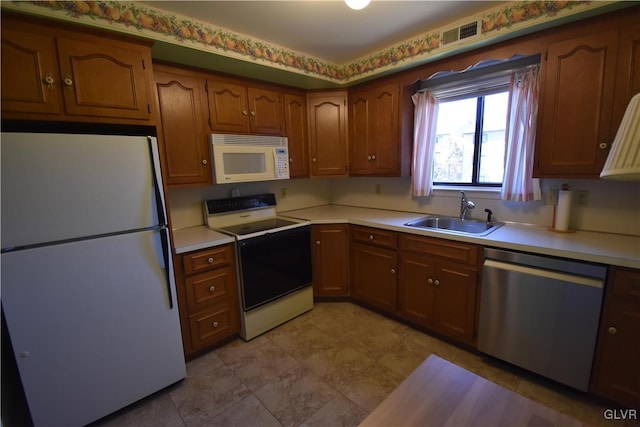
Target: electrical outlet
x,y
283,193
378,188
551,197
581,198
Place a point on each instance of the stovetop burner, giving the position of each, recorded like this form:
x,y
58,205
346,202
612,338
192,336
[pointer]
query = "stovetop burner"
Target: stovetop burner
x,y
254,227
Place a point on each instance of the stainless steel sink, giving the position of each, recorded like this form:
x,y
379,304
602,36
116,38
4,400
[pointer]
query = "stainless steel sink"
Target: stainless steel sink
x,y
455,225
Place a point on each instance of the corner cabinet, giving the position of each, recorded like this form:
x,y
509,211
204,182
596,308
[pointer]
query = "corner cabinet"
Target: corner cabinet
x,y
330,254
374,132
182,105
438,285
374,266
616,373
237,108
208,298
586,85
328,148
50,73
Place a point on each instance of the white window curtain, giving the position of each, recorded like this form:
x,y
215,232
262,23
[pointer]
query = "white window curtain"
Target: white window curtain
x,y
424,140
518,183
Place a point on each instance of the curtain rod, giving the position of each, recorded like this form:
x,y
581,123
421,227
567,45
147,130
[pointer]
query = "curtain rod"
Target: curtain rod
x,y
481,69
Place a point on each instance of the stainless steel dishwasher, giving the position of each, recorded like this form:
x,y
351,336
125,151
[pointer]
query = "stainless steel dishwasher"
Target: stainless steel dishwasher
x,y
541,313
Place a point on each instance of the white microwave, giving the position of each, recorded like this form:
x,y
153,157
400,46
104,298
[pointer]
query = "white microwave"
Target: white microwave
x,y
248,158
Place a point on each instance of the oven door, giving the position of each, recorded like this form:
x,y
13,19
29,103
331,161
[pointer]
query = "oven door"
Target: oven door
x,y
274,264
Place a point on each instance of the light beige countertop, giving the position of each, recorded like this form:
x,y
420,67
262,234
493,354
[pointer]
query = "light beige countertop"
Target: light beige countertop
x,y
605,248
196,238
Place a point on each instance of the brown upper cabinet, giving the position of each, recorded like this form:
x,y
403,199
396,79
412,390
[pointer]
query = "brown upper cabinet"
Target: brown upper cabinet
x,y
374,132
49,73
587,82
236,108
297,132
327,113
183,107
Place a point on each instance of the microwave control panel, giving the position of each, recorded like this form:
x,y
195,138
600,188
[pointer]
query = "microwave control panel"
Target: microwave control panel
x,y
282,163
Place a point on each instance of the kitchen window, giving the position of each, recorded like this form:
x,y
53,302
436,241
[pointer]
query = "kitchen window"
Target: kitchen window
x,y
476,128
470,140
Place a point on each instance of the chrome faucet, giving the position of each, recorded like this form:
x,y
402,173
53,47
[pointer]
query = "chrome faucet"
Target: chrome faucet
x,y
465,205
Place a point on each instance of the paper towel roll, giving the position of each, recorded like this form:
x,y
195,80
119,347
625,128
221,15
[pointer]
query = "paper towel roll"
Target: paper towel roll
x,y
563,211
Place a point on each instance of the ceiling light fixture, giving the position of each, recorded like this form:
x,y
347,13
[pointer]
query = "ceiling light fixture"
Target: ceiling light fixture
x,y
357,4
623,162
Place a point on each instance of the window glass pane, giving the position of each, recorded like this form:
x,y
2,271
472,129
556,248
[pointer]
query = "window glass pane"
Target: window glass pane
x,y
453,157
493,138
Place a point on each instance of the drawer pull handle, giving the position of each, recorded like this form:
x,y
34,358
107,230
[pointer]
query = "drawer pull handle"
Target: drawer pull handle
x,y
318,242
212,288
371,237
214,324
210,260
612,330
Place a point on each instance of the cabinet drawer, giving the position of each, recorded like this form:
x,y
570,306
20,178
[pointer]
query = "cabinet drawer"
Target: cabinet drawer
x,y
208,288
625,282
207,260
375,236
446,249
210,326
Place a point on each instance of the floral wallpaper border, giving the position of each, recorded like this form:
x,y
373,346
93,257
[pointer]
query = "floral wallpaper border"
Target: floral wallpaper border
x,y
134,18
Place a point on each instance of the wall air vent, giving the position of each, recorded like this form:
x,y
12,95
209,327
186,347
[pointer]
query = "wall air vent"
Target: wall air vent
x,y
459,34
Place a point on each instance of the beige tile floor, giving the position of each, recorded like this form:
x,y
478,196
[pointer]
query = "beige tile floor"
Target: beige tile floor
x,y
328,367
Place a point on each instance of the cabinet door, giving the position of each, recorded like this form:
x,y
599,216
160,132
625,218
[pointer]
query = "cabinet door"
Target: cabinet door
x,y
574,125
416,288
628,73
385,136
373,276
228,109
32,84
183,131
330,260
359,137
455,301
328,133
616,373
105,79
266,111
296,130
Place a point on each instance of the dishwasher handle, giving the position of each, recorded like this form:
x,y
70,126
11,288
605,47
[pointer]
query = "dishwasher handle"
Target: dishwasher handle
x,y
548,274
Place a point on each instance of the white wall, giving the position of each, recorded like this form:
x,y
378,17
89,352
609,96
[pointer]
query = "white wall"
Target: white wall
x,y
612,207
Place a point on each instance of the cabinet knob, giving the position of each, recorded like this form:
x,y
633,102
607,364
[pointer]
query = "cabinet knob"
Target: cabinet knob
x,y
314,160
49,80
253,114
290,160
436,282
214,324
68,82
210,260
430,281
393,271
245,112
204,162
373,157
212,288
603,145
318,242
368,157
612,330
371,237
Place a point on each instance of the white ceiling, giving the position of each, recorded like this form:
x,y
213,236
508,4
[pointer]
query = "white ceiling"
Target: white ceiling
x,y
328,29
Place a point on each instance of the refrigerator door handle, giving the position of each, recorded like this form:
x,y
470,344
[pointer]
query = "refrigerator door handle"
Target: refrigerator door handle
x,y
164,237
157,180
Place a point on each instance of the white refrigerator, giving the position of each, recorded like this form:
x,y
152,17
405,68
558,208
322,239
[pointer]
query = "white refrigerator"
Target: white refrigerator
x,y
87,285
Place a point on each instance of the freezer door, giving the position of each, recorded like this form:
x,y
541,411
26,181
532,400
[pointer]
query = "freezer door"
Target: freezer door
x,y
91,325
58,186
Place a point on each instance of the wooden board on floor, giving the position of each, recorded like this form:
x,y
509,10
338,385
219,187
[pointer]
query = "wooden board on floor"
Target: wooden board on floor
x,y
439,393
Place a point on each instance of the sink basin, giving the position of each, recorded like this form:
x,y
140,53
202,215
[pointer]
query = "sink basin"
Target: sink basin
x,y
456,225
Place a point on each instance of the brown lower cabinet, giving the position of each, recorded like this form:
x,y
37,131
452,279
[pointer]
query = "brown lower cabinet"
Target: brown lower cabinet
x,y
208,298
330,259
616,371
